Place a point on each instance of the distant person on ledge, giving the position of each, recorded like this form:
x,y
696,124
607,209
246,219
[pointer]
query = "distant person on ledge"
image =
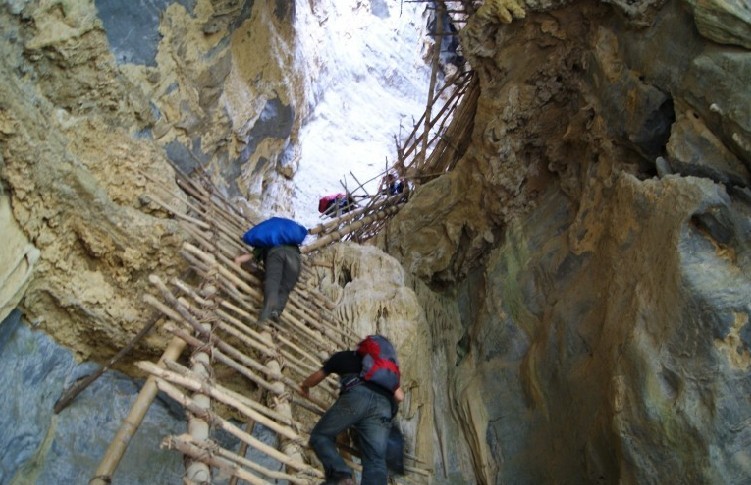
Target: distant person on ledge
x,y
390,185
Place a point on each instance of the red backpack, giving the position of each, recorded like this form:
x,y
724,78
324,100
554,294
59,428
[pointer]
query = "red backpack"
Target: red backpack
x,y
327,200
379,363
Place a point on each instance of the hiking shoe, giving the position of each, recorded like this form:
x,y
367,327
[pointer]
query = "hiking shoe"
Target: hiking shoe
x,y
339,480
275,316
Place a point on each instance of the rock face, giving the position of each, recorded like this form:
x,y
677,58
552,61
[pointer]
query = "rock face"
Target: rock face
x,y
591,250
40,447
571,302
96,98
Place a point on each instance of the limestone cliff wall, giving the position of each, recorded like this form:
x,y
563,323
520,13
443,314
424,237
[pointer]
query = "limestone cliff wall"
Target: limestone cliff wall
x,y
587,266
96,98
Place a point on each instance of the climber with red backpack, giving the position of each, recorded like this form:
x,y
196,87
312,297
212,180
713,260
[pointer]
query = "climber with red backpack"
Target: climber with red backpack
x,y
369,396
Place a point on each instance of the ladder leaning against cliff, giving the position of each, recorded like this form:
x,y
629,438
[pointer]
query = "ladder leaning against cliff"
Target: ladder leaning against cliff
x,y
212,320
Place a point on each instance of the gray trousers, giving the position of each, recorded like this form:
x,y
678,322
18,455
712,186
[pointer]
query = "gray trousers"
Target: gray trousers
x,y
282,269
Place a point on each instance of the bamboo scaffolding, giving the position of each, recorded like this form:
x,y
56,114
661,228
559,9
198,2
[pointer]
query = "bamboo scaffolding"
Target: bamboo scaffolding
x,y
417,163
412,139
335,223
431,88
226,276
226,353
230,463
320,320
223,318
444,156
337,235
210,416
198,384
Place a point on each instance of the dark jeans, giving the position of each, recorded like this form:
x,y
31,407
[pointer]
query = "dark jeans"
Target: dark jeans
x,y
282,269
370,414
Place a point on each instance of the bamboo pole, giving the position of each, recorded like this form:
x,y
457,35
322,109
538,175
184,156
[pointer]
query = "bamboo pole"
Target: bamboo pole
x,y
119,444
251,426
197,471
70,394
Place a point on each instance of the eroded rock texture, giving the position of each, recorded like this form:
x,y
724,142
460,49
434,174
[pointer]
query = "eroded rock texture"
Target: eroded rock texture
x,y
587,265
40,447
96,98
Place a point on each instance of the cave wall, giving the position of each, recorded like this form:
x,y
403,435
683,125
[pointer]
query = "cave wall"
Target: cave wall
x,y
586,266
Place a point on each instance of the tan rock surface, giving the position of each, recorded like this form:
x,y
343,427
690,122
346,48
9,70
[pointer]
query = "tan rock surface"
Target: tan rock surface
x,y
76,176
582,309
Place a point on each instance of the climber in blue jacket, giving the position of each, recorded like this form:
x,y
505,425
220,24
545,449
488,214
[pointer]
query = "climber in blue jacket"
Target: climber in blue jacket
x,y
276,242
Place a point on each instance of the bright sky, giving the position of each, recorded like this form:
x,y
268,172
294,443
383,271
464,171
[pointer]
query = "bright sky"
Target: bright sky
x,y
368,79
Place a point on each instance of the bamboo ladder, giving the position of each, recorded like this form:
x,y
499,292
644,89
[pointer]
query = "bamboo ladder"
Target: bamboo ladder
x,y
215,318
